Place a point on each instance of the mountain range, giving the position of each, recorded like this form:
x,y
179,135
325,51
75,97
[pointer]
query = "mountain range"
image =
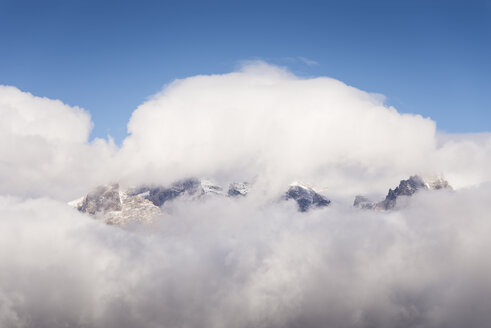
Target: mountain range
x,y
119,206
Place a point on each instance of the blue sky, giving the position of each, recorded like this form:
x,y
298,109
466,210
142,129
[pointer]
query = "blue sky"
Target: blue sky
x,y
427,57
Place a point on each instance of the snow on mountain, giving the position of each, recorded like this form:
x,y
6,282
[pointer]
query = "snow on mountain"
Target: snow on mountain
x,y
238,189
191,187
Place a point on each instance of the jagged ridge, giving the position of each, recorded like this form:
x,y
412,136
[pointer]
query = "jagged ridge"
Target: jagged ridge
x,y
406,188
142,204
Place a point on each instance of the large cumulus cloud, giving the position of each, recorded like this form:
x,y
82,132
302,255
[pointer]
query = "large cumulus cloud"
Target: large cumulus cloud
x,y
264,123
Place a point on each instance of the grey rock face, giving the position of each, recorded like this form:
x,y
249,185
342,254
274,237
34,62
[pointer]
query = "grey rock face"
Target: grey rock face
x,y
101,199
142,204
238,189
114,206
158,195
406,188
306,197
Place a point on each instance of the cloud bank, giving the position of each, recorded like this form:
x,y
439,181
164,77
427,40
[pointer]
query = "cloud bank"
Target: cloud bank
x,y
223,264
242,262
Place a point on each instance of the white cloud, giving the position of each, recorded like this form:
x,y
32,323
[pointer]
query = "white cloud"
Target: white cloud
x,y
26,115
44,148
307,61
243,263
264,123
230,263
261,124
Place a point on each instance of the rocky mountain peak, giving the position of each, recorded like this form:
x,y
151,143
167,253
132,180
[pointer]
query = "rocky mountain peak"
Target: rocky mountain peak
x,y
306,197
405,188
143,203
115,206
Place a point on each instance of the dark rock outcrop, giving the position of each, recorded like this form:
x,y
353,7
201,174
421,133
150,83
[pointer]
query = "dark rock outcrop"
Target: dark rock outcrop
x,y
406,188
306,197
